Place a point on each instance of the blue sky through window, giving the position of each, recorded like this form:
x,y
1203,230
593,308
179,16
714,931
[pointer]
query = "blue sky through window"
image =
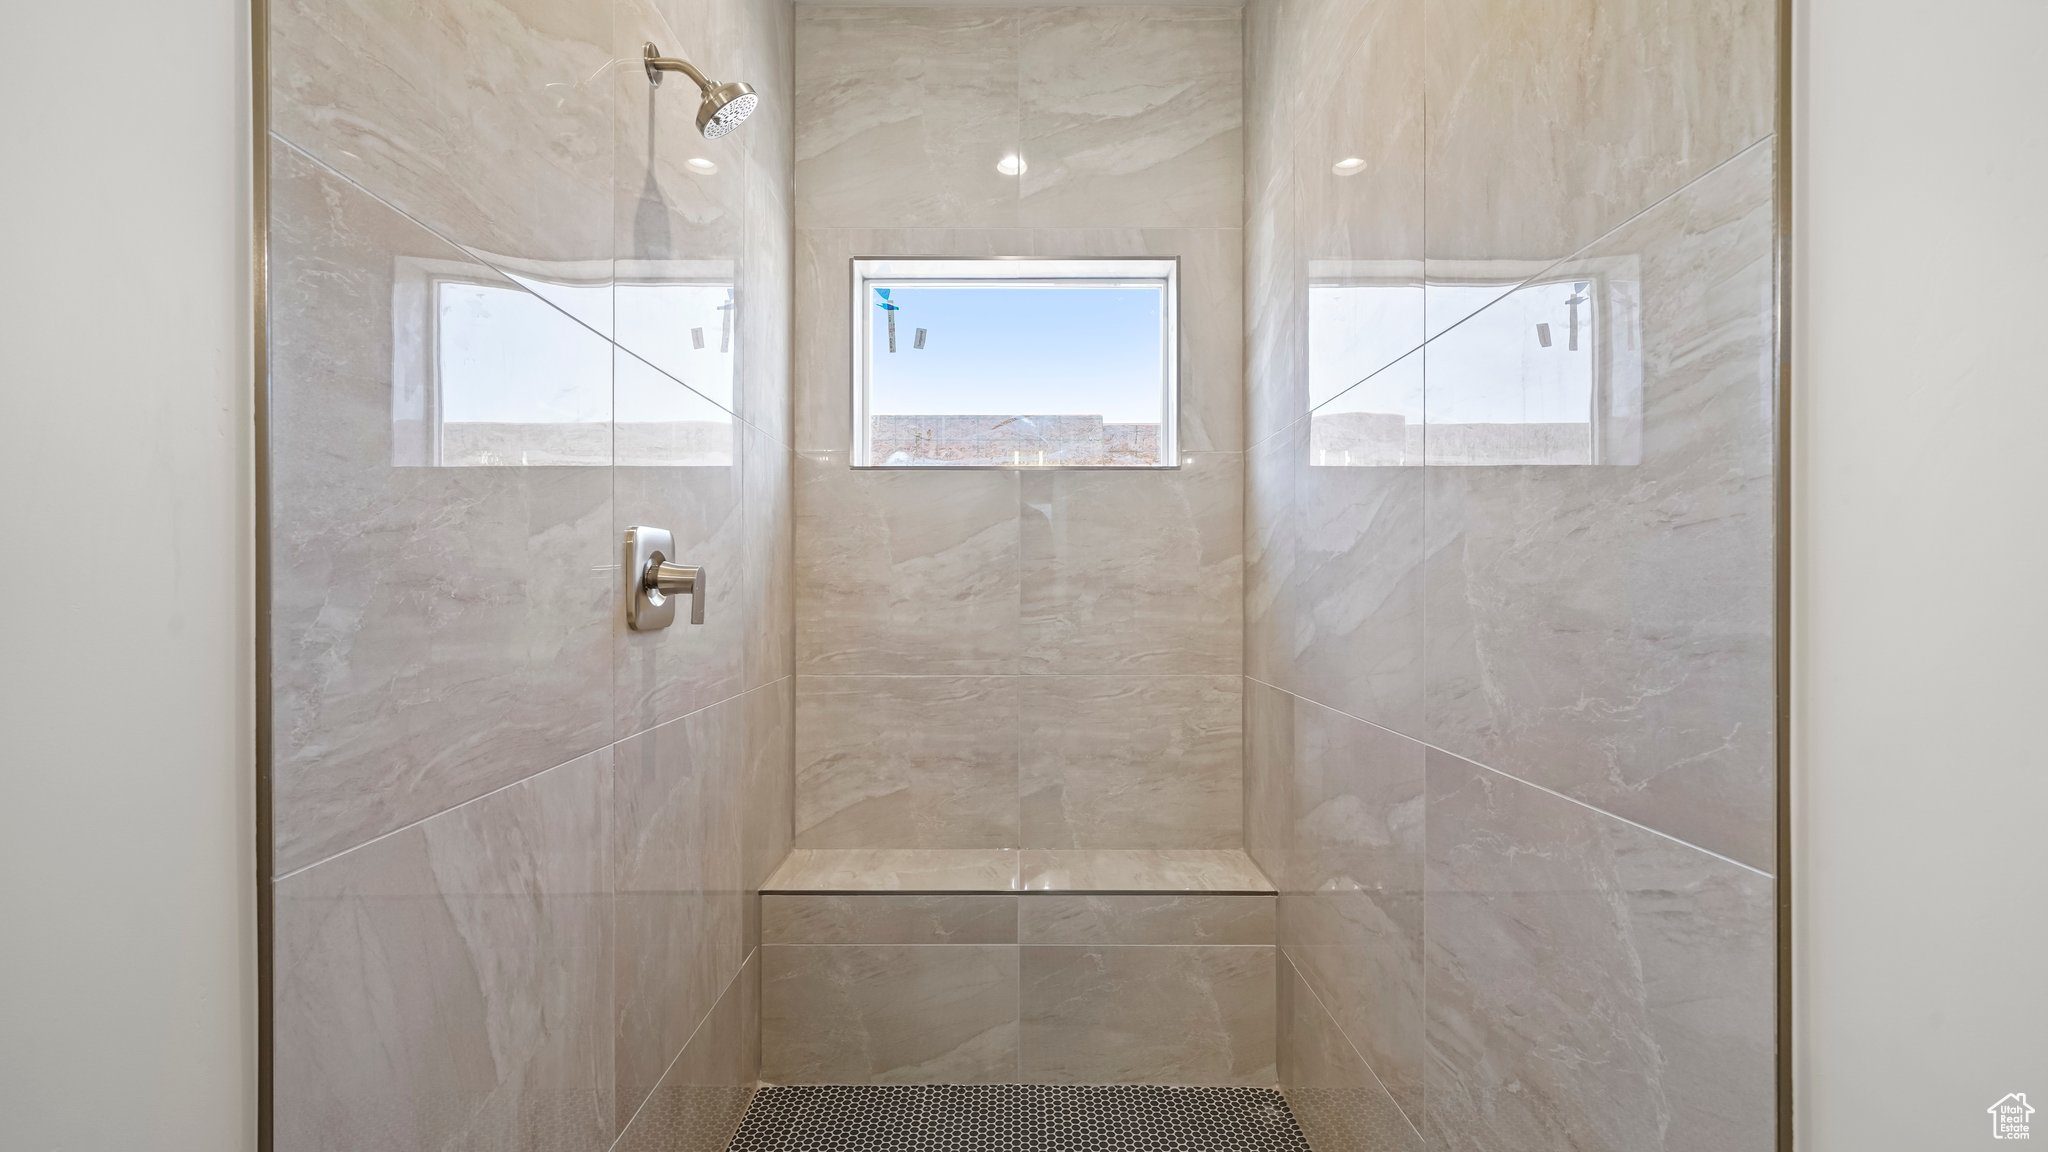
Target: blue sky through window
x,y
1069,349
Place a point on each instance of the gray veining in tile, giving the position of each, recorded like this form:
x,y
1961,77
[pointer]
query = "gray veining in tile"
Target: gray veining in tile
x,y
1607,631
1148,1015
679,897
450,986
438,632
902,115
1546,128
488,120
1134,571
767,791
769,560
1591,985
889,1014
1351,906
1168,918
888,919
1130,761
1149,870
896,870
1131,116
905,572
907,761
704,1094
1332,1093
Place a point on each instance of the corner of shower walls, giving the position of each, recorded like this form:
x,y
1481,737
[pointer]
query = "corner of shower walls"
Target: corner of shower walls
x,y
460,712
1519,684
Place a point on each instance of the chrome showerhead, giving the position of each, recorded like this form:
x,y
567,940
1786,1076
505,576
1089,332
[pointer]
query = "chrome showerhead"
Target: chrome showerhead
x,y
725,106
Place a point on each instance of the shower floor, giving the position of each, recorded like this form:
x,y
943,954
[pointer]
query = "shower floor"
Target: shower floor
x,y
1018,1118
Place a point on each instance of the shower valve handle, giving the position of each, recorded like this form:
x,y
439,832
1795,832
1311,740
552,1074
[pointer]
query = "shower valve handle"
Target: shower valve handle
x,y
662,578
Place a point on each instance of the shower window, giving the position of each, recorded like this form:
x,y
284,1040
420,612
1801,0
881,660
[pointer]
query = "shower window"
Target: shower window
x,y
1014,363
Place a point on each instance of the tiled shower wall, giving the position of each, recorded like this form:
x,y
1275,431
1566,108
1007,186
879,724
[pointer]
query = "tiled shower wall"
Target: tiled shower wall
x,y
1510,721
1008,658
515,842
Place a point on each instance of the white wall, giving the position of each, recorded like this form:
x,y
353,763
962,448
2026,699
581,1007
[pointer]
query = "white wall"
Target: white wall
x,y
1922,587
127,960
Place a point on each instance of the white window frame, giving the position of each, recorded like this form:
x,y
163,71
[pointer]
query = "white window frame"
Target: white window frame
x,y
871,272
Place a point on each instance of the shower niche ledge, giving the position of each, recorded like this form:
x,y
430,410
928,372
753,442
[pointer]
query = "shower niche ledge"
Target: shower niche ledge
x,y
990,966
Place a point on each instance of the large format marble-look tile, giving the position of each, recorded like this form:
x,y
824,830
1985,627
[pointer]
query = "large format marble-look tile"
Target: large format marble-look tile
x,y
487,120
1131,116
1165,918
1147,1015
896,870
1271,528
888,919
1546,129
768,511
679,899
767,791
1606,631
1275,283
1358,95
889,1014
438,632
1153,870
902,115
704,1094
1133,571
688,481
1269,779
450,986
1358,589
1591,985
907,761
1351,907
905,572
1335,1098
1130,761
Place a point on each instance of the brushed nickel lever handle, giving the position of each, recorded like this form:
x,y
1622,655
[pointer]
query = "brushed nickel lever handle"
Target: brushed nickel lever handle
x,y
653,584
662,578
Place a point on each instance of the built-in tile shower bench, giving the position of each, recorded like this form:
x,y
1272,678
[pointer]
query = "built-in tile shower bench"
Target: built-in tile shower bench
x,y
936,966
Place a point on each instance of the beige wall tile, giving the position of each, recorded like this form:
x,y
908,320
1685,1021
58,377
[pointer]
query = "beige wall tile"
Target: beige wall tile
x,y
767,792
438,632
905,572
768,510
1131,761
450,985
883,1014
1619,981
680,901
902,115
1133,572
883,919
1131,116
1148,1015
1166,918
704,1094
1332,1094
1607,631
896,870
906,761
1141,871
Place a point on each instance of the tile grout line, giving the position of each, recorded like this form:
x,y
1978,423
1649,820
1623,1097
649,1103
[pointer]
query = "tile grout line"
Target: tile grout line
x,y
1638,825
527,779
684,1047
515,283
1346,1037
1578,253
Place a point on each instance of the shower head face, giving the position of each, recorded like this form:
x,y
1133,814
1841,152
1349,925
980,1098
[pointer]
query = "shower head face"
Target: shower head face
x,y
725,107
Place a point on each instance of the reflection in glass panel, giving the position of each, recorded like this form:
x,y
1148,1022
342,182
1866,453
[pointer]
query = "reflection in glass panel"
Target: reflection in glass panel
x,y
1362,317
489,375
1377,424
683,318
660,423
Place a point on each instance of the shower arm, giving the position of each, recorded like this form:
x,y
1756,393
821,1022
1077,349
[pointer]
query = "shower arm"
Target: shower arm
x,y
657,64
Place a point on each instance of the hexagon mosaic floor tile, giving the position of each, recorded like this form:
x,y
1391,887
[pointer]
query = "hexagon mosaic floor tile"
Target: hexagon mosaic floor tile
x,y
1018,1118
